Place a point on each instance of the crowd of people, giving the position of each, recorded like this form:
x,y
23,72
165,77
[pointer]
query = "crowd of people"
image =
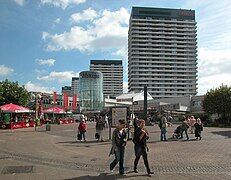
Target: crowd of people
x,y
194,126
140,137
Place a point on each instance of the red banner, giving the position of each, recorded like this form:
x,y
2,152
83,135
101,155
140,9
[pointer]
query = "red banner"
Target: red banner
x,y
65,101
41,109
74,100
54,98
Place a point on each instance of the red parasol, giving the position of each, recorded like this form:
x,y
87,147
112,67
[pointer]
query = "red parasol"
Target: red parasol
x,y
13,108
55,110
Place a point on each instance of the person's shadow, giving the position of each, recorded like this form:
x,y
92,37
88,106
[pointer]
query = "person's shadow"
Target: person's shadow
x,y
109,176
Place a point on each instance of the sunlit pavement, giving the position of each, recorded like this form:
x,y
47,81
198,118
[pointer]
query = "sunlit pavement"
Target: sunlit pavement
x,y
55,154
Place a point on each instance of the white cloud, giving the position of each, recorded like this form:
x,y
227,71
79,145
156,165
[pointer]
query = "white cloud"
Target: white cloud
x,y
88,14
213,22
38,71
214,62
65,76
62,3
77,38
48,62
106,32
57,20
214,81
20,2
5,71
38,88
213,69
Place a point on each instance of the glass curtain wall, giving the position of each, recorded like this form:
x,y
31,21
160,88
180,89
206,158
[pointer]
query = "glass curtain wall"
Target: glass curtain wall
x,y
91,98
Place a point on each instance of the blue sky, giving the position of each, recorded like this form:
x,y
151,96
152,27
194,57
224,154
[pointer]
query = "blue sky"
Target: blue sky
x,y
43,43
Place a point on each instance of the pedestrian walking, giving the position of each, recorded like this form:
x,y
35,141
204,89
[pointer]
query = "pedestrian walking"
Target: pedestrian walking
x,y
119,141
100,125
141,136
184,128
192,121
163,128
198,128
82,129
106,121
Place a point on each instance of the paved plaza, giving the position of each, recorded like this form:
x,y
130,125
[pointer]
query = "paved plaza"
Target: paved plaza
x,y
29,155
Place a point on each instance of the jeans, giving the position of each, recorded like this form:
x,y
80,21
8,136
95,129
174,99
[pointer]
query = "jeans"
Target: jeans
x,y
163,134
82,134
119,157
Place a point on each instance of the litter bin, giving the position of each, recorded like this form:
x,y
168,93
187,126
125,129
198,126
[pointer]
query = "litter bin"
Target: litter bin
x,y
48,127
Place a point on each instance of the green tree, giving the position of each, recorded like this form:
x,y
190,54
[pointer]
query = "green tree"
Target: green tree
x,y
218,101
11,92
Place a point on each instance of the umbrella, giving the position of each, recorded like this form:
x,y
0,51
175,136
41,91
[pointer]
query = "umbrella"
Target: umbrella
x,y
55,110
13,108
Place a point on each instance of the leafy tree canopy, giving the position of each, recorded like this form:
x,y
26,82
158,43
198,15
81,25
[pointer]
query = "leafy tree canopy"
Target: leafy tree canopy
x,y
218,101
11,92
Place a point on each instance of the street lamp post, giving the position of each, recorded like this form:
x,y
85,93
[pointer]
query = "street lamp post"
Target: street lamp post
x,y
37,98
53,103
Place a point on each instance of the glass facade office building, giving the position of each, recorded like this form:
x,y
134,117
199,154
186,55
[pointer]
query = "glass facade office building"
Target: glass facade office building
x,y
91,98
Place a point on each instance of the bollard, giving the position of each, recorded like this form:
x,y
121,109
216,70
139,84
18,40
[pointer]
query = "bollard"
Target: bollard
x,y
48,127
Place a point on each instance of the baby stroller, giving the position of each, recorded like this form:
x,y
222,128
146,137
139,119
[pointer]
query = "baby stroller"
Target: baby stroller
x,y
177,133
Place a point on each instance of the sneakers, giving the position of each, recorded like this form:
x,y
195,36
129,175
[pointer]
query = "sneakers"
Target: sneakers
x,y
150,173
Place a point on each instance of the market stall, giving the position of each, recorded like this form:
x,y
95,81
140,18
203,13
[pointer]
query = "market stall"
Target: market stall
x,y
13,116
57,115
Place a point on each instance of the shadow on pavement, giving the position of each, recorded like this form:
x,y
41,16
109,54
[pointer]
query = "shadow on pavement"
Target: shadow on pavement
x,y
87,142
108,176
223,133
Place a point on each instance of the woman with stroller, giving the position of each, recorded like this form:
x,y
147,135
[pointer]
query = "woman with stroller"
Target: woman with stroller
x,y
198,128
177,132
184,128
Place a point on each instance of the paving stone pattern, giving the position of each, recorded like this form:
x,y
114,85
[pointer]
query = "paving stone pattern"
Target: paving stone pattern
x,y
55,154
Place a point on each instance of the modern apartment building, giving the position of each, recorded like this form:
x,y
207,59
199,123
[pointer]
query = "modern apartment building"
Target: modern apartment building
x,y
74,85
112,75
162,52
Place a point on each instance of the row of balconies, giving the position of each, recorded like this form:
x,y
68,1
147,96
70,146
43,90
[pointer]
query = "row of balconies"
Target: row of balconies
x,y
151,67
164,56
151,40
160,57
150,72
162,52
161,45
162,32
151,61
162,21
160,48
172,89
150,77
162,38
148,68
159,26
163,79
